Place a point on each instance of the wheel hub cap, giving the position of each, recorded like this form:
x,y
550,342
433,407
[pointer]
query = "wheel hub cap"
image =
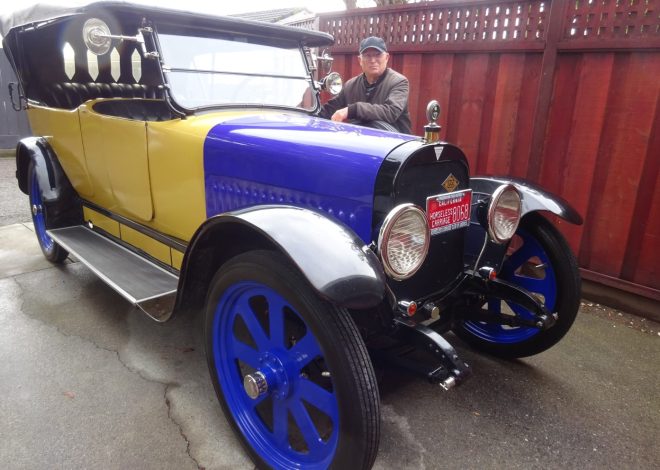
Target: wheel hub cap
x,y
271,378
255,384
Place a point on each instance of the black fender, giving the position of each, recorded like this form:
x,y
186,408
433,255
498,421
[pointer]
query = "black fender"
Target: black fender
x,y
50,174
57,193
534,198
335,261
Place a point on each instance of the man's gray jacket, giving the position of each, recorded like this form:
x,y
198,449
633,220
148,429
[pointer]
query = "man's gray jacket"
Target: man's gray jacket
x,y
387,102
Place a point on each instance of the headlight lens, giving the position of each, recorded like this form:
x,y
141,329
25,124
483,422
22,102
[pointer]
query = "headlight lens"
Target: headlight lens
x,y
403,241
333,83
504,213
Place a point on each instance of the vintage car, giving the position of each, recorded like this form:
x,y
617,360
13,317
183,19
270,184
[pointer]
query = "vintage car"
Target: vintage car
x,y
181,157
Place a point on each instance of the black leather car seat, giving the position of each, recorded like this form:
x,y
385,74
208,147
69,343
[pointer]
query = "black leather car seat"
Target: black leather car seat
x,y
70,95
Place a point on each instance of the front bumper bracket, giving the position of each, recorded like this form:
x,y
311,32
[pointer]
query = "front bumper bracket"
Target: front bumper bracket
x,y
539,316
452,370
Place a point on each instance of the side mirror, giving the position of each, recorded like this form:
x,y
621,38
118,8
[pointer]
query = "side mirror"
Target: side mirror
x,y
324,63
97,38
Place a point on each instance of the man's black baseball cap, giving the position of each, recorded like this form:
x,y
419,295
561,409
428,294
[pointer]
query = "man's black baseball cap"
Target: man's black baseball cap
x,y
373,42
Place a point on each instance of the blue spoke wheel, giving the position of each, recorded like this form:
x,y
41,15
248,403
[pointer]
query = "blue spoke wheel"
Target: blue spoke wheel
x,y
291,371
540,261
51,250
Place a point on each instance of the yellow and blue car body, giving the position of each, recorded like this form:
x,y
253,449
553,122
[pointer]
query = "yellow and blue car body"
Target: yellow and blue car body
x,y
182,158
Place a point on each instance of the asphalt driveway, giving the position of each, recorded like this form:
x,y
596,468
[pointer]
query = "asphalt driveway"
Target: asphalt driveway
x,y
86,381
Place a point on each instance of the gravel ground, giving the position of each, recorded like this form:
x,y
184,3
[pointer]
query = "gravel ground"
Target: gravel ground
x,y
620,319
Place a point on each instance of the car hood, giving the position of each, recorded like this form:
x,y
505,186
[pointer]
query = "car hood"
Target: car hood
x,y
304,161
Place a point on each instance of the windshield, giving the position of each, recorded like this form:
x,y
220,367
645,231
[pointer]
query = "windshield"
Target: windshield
x,y
212,71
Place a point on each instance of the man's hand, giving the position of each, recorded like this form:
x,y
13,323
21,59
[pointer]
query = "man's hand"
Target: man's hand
x,y
340,115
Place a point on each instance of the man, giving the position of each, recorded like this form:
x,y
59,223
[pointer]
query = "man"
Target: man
x,y
378,94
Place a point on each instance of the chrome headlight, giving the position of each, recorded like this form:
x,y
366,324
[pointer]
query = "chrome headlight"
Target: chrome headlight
x,y
504,213
332,83
403,241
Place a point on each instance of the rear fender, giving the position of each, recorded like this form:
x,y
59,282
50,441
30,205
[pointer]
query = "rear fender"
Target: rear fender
x,y
330,255
52,179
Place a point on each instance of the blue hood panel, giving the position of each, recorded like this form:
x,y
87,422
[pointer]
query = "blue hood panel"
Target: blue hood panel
x,y
298,160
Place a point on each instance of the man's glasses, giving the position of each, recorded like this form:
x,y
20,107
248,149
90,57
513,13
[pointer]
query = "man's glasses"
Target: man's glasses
x,y
372,55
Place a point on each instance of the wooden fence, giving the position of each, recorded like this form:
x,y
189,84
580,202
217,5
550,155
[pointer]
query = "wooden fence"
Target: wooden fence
x,y
564,93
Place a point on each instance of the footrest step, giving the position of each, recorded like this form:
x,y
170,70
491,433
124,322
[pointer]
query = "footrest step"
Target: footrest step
x,y
140,281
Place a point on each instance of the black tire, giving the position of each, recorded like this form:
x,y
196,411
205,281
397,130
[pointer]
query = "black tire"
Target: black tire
x,y
42,220
546,242
256,281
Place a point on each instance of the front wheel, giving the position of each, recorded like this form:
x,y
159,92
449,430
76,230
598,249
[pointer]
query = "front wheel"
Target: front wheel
x,y
291,371
539,260
51,250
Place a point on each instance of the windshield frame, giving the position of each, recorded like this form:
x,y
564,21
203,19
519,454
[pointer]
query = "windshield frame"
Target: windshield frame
x,y
188,32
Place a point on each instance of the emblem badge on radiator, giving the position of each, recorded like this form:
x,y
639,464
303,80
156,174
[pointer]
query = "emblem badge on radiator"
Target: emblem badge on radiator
x,y
450,183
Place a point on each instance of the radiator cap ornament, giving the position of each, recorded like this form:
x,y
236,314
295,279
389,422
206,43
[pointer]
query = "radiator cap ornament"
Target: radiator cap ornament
x,y
432,129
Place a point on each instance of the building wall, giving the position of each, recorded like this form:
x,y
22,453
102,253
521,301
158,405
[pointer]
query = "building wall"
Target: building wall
x,y
13,125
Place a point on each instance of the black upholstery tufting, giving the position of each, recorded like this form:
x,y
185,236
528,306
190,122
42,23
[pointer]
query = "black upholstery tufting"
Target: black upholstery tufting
x,y
70,95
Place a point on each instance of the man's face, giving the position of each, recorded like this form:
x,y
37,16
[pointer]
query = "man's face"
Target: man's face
x,y
373,63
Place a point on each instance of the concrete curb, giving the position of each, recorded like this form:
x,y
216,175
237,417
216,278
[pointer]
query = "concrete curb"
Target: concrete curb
x,y
621,300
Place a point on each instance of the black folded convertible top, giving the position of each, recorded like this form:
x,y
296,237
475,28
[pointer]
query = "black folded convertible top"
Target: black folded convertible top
x,y
40,13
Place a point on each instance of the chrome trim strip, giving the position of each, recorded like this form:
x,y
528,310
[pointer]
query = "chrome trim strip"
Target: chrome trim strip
x,y
146,299
151,233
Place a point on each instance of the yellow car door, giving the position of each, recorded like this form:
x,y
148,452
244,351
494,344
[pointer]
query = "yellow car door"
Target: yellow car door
x,y
117,161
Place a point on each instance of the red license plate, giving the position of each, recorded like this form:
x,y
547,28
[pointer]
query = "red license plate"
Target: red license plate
x,y
449,211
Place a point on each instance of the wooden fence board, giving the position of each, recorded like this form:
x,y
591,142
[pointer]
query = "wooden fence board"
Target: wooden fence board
x,y
456,93
628,125
525,124
354,64
643,252
442,73
412,69
339,66
470,106
582,155
487,113
436,73
560,119
507,100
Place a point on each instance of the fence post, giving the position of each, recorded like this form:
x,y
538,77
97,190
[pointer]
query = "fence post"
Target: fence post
x,y
558,9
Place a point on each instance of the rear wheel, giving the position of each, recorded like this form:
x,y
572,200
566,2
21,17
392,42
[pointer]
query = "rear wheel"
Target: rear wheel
x,y
539,260
290,370
51,250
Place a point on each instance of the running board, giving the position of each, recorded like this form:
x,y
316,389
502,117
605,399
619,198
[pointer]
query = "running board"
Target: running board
x,y
141,282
